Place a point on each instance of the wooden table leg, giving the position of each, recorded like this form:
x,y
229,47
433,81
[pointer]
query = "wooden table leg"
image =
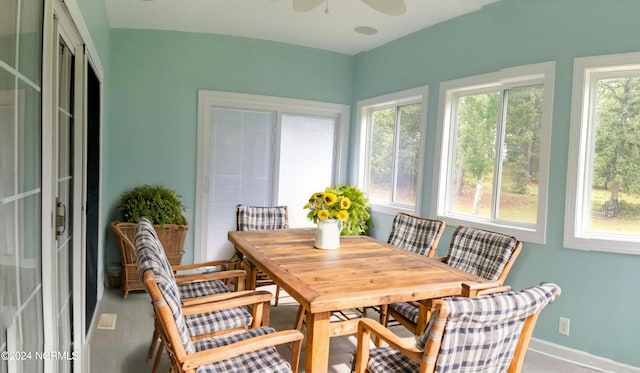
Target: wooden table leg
x,y
317,342
252,272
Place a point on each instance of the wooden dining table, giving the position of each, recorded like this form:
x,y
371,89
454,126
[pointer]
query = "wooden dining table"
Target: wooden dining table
x,y
363,272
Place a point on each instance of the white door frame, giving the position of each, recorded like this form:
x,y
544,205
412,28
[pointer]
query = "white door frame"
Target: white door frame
x,y
63,20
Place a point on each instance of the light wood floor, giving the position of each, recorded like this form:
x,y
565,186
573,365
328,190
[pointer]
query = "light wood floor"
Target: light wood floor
x,y
124,348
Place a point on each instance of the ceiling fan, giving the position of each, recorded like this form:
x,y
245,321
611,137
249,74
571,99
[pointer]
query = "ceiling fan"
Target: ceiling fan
x,y
390,7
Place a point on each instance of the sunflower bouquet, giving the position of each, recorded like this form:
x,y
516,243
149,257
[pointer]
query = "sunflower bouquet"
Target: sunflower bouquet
x,y
327,205
344,203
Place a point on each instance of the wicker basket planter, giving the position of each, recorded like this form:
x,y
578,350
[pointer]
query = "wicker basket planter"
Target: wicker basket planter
x,y
171,236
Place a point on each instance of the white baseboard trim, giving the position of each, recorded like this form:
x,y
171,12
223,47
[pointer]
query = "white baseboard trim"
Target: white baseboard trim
x,y
580,358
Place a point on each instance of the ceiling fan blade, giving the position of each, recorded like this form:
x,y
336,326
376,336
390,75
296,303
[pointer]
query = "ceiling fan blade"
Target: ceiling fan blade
x,y
306,5
390,7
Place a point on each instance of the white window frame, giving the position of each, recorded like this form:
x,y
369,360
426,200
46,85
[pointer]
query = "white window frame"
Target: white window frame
x,y
418,95
541,73
586,72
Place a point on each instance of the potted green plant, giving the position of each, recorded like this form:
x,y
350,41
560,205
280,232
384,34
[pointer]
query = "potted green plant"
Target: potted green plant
x,y
164,208
158,204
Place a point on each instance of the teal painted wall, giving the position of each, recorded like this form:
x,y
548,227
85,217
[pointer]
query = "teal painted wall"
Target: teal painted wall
x,y
512,33
155,80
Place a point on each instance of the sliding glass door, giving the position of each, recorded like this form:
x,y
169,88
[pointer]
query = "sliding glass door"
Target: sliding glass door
x,y
261,151
21,307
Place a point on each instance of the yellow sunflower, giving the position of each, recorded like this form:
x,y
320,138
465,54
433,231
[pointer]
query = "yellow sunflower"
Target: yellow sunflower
x,y
330,198
323,214
345,203
342,215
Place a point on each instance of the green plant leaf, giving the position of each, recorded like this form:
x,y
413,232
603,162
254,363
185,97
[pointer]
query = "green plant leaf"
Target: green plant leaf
x,y
158,204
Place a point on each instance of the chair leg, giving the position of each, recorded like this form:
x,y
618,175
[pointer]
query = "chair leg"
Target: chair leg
x,y
384,314
300,318
384,320
277,295
152,347
156,363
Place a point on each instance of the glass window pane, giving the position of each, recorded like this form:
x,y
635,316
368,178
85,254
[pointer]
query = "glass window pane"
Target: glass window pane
x,y
30,52
64,280
381,158
30,245
7,129
521,160
8,17
64,145
240,162
64,337
408,154
65,79
32,333
8,274
4,367
29,138
472,186
615,194
306,162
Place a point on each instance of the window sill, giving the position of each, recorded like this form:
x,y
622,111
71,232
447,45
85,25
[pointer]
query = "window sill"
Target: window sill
x,y
628,245
391,210
524,234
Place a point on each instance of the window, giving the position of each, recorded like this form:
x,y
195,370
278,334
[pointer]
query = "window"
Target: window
x,y
392,136
603,191
494,146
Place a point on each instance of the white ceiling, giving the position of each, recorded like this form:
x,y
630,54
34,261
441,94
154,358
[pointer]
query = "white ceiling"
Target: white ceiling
x,y
275,19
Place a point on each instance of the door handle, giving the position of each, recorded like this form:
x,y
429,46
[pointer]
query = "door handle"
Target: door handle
x,y
61,218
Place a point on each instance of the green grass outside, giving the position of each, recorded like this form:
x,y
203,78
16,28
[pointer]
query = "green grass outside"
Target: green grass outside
x,y
522,208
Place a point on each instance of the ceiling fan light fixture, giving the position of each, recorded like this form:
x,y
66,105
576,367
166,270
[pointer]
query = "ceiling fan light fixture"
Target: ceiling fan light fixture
x,y
366,30
390,7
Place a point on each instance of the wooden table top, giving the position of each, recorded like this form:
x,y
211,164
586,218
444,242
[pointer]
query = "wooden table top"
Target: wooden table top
x,y
363,272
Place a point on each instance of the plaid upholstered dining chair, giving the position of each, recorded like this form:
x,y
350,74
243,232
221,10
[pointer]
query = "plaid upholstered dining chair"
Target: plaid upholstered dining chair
x,y
484,334
244,351
252,218
415,233
487,254
195,289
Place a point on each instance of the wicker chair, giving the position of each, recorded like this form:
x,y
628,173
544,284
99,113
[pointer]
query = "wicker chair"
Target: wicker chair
x,y
249,350
483,334
487,254
172,237
195,289
251,218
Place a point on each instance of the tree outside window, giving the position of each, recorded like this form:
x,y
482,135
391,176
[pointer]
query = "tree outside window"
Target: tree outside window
x,y
603,194
395,148
494,150
615,195
497,154
391,149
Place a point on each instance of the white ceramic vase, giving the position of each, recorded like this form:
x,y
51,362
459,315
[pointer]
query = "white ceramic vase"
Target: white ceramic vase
x,y
328,234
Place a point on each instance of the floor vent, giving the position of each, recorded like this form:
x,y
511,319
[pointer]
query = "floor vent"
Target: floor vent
x,y
107,321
